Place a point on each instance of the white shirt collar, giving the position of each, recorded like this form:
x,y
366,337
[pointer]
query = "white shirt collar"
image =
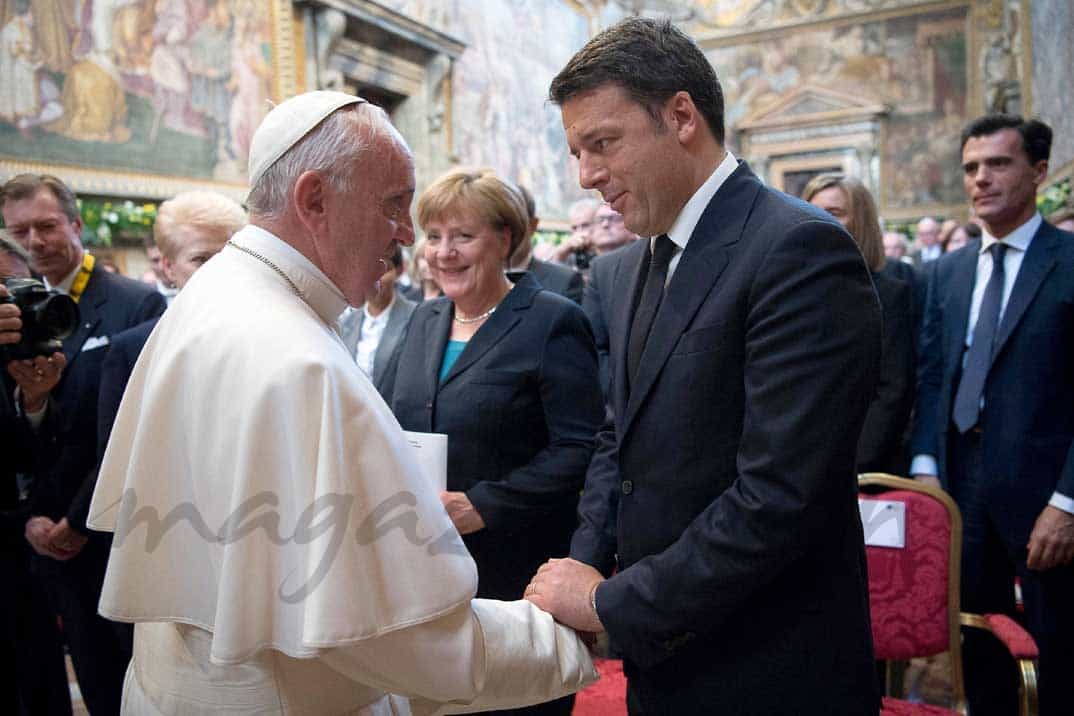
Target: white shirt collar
x,y
687,219
383,315
64,286
315,288
1019,238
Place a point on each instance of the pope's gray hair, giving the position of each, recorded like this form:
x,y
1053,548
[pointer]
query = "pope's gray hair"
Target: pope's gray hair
x,y
333,147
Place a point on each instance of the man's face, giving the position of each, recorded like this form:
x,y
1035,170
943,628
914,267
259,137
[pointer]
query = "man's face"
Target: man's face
x,y
609,230
582,222
928,232
196,246
368,222
623,153
153,254
39,224
893,247
1000,180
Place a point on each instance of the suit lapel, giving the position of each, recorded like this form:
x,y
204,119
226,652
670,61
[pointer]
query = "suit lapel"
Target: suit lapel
x,y
499,324
1036,265
437,332
392,331
90,309
699,269
628,280
963,277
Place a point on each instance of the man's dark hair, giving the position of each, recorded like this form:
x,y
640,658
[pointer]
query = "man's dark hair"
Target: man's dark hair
x,y
397,256
26,186
527,199
1036,135
651,60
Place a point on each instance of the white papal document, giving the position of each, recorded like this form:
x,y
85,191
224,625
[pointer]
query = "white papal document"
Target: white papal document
x,y
431,449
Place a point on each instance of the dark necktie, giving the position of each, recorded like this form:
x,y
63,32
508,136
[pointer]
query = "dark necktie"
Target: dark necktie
x,y
651,295
979,356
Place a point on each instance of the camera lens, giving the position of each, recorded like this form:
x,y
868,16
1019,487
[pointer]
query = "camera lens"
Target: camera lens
x,y
59,314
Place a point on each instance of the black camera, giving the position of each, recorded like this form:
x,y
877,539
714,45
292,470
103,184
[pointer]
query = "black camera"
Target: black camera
x,y
47,318
582,259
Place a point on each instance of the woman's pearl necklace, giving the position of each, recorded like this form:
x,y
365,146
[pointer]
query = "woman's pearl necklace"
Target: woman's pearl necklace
x,y
475,319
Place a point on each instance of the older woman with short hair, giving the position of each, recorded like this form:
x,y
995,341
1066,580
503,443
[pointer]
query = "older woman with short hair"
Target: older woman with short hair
x,y
881,447
508,371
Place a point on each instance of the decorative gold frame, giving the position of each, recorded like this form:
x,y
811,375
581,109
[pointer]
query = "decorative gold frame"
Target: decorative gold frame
x,y
143,185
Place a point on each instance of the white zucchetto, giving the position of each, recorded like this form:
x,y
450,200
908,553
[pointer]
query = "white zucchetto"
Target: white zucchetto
x,y
287,123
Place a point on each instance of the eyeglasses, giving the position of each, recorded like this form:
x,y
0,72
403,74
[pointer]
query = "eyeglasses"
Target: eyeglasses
x,y
610,219
582,225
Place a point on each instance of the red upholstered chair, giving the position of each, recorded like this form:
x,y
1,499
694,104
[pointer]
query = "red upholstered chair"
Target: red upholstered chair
x,y
914,594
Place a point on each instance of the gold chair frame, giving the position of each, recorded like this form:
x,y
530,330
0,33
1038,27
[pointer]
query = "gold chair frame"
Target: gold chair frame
x,y
1027,668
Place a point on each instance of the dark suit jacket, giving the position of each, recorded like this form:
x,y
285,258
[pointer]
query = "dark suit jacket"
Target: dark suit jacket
x,y
386,357
1028,419
558,279
596,302
520,407
917,280
729,468
19,446
115,372
881,447
110,304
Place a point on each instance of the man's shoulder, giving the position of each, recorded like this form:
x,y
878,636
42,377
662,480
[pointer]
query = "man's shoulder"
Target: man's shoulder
x,y
117,285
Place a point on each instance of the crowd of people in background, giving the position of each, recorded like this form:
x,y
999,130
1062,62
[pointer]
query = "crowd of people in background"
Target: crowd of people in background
x,y
505,343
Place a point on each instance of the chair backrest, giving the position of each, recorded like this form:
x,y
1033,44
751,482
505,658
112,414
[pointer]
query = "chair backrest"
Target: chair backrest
x,y
914,590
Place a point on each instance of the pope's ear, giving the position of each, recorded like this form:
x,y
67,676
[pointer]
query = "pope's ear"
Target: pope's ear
x,y
309,198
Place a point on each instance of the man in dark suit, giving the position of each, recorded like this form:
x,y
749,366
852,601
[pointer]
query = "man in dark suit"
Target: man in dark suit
x,y
40,213
31,640
555,277
995,420
745,349
375,332
597,304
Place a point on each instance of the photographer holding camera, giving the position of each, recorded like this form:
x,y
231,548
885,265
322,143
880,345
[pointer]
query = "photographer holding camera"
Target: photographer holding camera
x,y
41,213
38,683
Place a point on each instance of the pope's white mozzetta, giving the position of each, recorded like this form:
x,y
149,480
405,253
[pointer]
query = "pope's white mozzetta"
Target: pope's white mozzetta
x,y
276,543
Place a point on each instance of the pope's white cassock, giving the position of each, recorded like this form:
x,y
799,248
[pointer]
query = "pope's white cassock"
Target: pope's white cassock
x,y
275,542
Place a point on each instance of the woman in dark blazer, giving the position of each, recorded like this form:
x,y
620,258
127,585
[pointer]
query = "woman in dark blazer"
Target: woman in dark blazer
x,y
882,446
508,371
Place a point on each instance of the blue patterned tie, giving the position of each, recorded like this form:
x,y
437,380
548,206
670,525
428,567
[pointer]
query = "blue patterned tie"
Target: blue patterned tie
x,y
979,357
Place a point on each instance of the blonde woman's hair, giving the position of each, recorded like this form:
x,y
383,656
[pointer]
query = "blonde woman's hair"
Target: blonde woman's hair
x,y
482,192
205,210
863,222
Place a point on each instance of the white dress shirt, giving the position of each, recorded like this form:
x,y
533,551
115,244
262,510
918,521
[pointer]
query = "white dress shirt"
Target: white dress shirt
x,y
370,334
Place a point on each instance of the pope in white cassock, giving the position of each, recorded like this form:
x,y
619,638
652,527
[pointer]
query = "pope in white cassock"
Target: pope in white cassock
x,y
275,543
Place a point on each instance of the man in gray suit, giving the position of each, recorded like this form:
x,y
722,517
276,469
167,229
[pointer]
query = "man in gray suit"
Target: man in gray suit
x,y
375,332
555,277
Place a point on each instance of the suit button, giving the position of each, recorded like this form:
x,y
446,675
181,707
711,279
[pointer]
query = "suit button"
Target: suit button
x,y
628,487
429,405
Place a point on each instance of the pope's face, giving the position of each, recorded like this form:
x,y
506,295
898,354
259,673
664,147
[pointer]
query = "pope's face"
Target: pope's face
x,y
367,223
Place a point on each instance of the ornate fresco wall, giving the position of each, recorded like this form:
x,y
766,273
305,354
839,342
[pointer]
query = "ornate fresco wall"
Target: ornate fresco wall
x,y
501,117
135,97
144,98
1053,63
914,64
